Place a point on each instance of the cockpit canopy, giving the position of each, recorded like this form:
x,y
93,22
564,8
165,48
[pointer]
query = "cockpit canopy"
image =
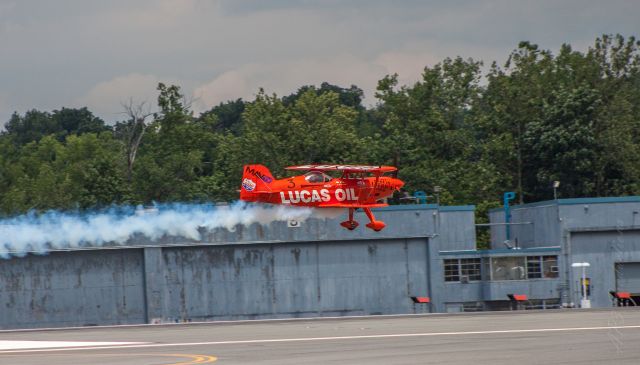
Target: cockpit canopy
x,y
317,177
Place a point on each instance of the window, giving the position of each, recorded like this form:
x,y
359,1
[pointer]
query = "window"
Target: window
x,y
501,268
486,269
463,269
471,268
508,268
534,267
521,268
451,270
316,177
550,266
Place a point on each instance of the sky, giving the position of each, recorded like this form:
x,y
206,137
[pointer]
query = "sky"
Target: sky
x,y
101,54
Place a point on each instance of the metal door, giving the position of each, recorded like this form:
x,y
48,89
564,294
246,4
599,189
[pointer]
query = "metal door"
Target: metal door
x,y
628,277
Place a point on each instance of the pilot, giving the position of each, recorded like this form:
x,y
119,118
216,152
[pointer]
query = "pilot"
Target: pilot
x,y
315,177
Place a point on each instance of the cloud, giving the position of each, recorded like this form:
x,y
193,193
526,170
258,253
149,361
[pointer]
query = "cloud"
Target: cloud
x,y
5,111
408,65
106,98
230,85
58,53
286,77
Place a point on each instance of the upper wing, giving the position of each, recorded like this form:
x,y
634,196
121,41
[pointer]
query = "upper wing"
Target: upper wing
x,y
347,168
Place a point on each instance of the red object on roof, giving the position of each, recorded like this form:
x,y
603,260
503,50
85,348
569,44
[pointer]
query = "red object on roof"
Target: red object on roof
x,y
623,295
421,299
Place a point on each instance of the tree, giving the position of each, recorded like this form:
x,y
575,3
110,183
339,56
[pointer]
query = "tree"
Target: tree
x,y
132,131
77,121
563,143
31,127
429,135
35,124
351,97
225,116
171,157
513,99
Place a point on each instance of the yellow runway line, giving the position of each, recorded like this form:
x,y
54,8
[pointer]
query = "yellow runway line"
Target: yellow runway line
x,y
196,359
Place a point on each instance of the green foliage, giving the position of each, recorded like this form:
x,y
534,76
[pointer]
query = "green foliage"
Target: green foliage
x,y
171,157
351,97
84,172
225,117
563,142
483,233
429,132
36,124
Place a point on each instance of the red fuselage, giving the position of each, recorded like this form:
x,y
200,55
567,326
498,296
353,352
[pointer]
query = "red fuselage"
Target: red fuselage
x,y
316,189
353,190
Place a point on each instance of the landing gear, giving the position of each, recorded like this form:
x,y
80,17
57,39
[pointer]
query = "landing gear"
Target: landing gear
x,y
350,224
374,224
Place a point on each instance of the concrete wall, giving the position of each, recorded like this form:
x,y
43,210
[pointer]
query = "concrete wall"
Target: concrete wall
x,y
457,228
588,213
498,290
318,269
602,250
543,230
72,289
551,219
291,280
215,282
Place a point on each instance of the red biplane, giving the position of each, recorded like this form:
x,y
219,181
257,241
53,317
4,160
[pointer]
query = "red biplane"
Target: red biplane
x,y
359,187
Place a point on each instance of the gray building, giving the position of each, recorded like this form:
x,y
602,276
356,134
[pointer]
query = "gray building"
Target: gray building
x,y
603,232
274,271
424,261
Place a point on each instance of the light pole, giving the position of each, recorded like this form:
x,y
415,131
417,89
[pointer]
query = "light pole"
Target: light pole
x,y
584,302
556,185
436,190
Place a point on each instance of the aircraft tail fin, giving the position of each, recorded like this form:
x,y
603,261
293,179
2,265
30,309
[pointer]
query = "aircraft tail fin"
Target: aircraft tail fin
x,y
256,179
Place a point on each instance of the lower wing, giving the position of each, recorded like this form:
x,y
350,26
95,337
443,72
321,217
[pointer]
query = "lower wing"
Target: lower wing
x,y
343,205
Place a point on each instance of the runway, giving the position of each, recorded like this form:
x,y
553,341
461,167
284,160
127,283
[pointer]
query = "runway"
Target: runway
x,y
558,337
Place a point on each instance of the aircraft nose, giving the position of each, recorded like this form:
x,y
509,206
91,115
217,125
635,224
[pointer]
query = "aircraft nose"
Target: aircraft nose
x,y
397,184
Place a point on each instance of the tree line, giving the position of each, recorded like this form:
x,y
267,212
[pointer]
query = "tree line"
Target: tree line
x,y
540,117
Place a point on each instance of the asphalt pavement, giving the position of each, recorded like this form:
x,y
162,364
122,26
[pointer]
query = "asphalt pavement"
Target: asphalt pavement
x,y
527,337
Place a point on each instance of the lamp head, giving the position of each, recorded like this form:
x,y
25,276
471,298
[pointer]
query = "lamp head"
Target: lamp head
x,y
580,264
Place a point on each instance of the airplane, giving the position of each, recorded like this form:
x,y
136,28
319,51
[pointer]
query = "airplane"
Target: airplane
x,y
359,187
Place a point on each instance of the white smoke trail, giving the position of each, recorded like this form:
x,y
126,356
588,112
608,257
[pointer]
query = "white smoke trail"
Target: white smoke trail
x,y
56,230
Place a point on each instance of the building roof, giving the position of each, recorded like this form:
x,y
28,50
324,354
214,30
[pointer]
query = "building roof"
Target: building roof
x,y
442,208
573,201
